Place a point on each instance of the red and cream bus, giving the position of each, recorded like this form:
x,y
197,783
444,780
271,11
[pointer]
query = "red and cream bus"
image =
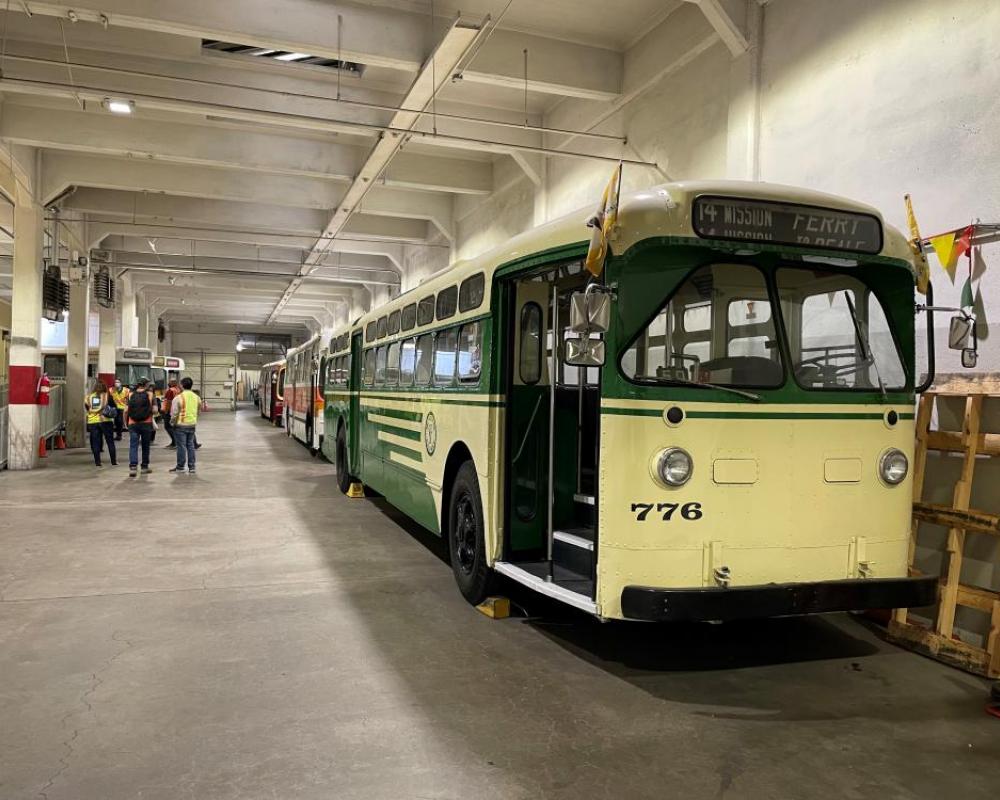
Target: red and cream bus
x,y
271,391
303,394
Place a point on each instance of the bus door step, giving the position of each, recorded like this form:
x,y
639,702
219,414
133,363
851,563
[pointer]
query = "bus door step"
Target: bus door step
x,y
573,549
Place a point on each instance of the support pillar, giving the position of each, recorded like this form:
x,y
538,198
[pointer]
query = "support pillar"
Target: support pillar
x,y
77,351
127,305
142,322
743,136
26,329
106,349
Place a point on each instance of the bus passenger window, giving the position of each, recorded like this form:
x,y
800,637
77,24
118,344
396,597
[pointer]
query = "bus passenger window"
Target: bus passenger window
x,y
368,367
530,357
409,318
470,295
381,327
392,324
425,311
425,355
444,356
447,301
407,360
370,332
392,367
470,356
380,366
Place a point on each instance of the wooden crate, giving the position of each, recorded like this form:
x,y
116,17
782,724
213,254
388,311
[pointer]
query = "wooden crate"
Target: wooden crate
x,y
939,641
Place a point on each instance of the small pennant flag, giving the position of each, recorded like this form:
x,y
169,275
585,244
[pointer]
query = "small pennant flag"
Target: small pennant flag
x,y
979,310
978,264
943,246
967,300
603,222
916,242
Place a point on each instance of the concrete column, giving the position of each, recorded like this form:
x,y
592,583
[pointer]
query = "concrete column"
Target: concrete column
x,y
142,324
127,304
76,362
743,133
26,325
106,349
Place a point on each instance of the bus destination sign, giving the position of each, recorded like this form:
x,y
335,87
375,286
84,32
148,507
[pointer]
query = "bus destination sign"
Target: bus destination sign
x,y
736,219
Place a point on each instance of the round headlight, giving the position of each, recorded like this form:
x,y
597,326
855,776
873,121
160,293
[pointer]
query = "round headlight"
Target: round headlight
x,y
893,466
674,466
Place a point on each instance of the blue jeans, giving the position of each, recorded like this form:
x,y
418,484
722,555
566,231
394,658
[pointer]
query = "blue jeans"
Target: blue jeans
x,y
139,433
185,438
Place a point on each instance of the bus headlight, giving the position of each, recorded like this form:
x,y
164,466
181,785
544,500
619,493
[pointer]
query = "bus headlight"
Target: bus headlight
x,y
674,466
893,466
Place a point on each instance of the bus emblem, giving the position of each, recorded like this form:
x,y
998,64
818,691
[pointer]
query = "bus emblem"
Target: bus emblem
x,y
430,434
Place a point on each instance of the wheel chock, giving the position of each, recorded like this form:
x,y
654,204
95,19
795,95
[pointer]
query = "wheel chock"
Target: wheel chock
x,y
355,490
495,607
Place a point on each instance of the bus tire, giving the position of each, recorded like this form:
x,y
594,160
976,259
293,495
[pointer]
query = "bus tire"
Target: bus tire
x,y
344,478
467,536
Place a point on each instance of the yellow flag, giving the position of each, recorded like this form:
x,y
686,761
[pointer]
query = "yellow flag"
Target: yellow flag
x,y
944,246
916,242
602,223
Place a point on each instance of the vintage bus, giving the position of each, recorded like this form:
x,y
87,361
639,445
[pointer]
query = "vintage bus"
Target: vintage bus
x,y
270,392
303,397
718,426
133,363
166,368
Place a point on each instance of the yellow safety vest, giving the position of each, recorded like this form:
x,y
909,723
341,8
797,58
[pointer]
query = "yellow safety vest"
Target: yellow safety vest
x,y
120,398
189,403
94,407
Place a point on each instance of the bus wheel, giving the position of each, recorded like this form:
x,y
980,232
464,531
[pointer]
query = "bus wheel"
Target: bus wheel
x,y
467,536
343,475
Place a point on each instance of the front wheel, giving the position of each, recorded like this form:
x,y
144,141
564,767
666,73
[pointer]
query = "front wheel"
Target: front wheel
x,y
344,478
467,537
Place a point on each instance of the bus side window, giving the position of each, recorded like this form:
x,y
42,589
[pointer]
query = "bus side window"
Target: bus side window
x,y
368,367
444,356
392,365
407,360
469,352
380,366
530,357
425,353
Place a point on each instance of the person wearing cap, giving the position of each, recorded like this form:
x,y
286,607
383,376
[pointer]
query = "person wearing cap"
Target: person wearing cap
x,y
139,420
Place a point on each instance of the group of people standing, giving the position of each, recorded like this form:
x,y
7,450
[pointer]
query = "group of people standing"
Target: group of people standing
x,y
110,411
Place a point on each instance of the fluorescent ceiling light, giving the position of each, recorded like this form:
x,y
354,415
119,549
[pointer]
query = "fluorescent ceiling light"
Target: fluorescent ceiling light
x,y
292,56
118,106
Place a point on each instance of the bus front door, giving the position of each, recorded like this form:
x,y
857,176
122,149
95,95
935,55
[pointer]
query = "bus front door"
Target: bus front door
x,y
528,396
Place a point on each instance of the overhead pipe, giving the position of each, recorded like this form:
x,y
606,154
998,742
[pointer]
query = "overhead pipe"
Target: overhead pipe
x,y
128,266
301,121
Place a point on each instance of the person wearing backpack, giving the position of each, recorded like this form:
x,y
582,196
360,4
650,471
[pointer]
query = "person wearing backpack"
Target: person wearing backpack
x,y
100,423
139,421
184,416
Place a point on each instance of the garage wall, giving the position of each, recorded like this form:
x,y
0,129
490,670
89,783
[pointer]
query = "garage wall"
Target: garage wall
x,y
210,361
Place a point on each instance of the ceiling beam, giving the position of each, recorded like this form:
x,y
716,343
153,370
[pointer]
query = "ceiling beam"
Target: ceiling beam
x,y
725,25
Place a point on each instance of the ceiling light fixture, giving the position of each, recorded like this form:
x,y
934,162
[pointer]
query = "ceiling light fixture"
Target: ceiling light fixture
x,y
118,106
292,56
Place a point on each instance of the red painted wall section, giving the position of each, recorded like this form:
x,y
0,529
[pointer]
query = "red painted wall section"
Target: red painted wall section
x,y
24,385
107,377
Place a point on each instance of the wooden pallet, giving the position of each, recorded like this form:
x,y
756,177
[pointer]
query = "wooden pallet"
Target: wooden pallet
x,y
940,641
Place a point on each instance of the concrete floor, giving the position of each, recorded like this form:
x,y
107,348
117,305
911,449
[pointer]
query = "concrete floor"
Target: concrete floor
x,y
250,633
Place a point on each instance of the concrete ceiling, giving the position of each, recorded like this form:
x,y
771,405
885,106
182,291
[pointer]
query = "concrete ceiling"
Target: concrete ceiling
x,y
293,207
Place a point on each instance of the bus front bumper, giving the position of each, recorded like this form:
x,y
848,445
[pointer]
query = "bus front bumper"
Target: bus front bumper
x,y
776,599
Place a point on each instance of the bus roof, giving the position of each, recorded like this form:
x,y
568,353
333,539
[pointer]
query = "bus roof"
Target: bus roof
x,y
294,351
660,211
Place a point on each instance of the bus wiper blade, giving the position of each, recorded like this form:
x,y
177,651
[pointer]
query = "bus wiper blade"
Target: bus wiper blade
x,y
702,385
867,354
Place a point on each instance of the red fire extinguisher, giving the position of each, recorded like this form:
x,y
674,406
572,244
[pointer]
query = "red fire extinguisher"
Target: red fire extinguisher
x,y
44,387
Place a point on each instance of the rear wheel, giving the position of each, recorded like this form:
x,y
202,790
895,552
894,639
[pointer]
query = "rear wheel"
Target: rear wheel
x,y
344,478
467,536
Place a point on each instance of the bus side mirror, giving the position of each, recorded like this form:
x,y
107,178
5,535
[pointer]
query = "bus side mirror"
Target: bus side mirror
x,y
589,312
962,336
581,352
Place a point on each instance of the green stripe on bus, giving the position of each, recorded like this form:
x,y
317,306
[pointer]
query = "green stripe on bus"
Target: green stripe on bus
x,y
652,412
411,416
415,455
405,433
440,401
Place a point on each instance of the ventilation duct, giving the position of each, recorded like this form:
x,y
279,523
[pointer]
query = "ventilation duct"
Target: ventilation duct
x,y
55,293
104,288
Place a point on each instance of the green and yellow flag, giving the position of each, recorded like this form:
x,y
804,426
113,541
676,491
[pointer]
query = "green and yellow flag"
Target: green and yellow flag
x,y
603,222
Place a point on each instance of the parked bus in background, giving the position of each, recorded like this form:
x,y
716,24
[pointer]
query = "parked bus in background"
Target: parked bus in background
x,y
717,425
133,363
303,398
271,391
165,369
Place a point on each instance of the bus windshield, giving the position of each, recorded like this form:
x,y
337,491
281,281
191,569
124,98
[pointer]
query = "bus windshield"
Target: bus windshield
x,y
838,332
719,327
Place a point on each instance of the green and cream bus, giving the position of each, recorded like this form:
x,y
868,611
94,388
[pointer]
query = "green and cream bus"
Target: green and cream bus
x,y
720,425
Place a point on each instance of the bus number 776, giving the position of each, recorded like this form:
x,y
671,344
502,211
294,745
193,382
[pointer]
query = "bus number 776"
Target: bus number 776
x,y
689,511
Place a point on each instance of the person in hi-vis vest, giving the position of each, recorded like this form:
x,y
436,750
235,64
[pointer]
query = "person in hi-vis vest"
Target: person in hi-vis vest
x,y
119,394
184,417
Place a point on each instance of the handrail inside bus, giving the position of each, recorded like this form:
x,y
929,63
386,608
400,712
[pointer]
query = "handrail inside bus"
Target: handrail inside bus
x,y
527,430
